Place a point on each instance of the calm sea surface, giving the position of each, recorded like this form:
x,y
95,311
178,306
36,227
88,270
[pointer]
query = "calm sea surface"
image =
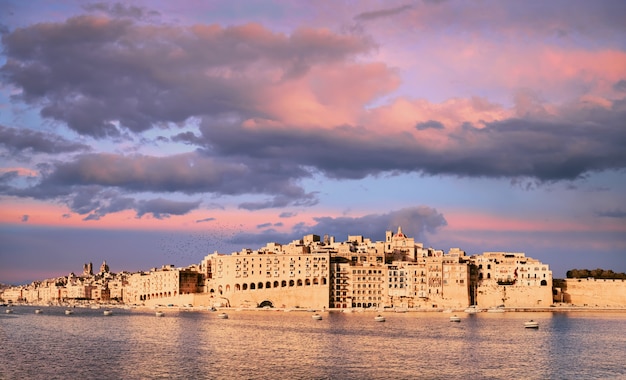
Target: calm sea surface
x,y
291,345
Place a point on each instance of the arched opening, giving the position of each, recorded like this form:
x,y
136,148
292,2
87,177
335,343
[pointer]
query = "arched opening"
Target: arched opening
x,y
237,287
544,283
268,285
324,281
260,285
252,286
266,303
307,282
283,283
228,288
315,281
299,283
244,287
291,283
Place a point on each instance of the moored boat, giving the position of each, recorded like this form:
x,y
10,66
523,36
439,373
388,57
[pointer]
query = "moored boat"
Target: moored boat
x,y
9,311
222,316
38,311
69,311
159,313
531,324
454,318
473,309
379,318
108,312
317,317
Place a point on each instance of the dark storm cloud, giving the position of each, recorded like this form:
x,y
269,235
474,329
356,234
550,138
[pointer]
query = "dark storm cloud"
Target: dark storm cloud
x,y
205,220
583,139
18,141
415,222
94,72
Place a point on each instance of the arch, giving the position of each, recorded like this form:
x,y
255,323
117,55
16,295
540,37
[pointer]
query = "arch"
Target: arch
x,y
276,284
268,285
228,288
266,303
324,280
237,287
291,283
252,286
307,282
244,287
299,283
259,285
544,283
283,283
315,281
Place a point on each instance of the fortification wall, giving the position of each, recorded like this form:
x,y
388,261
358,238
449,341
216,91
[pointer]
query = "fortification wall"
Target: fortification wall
x,y
513,296
595,292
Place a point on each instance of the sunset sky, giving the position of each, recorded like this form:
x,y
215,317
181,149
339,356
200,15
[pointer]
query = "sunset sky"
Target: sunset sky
x,y
147,133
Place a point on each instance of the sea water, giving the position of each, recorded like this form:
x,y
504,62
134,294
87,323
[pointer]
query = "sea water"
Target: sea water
x,y
269,344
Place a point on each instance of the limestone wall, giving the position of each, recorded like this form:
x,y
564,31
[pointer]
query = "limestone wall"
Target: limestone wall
x,y
513,296
592,292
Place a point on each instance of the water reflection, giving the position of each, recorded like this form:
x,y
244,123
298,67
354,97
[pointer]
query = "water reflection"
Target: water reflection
x,y
271,344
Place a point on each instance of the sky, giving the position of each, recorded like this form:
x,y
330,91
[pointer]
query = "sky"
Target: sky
x,y
147,133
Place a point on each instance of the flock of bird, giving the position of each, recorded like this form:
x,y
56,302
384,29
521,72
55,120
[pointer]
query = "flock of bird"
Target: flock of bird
x,y
183,248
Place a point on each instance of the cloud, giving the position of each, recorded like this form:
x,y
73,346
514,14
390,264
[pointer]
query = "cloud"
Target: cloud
x,y
118,10
104,75
26,141
162,208
205,220
415,221
383,13
430,124
616,213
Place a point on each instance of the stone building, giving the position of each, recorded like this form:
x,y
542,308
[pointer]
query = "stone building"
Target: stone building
x,y
510,279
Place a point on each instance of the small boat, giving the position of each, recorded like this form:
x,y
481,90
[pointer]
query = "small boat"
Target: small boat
x,y
108,312
317,317
497,309
379,318
346,311
222,316
159,313
472,309
9,311
68,312
38,311
454,318
531,324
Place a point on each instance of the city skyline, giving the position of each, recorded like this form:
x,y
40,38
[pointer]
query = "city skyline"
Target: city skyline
x,y
150,133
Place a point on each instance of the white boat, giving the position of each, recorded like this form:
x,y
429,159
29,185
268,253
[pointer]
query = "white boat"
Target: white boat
x,y
346,311
108,312
9,311
68,312
222,316
159,313
38,311
317,317
454,318
531,324
473,309
379,318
